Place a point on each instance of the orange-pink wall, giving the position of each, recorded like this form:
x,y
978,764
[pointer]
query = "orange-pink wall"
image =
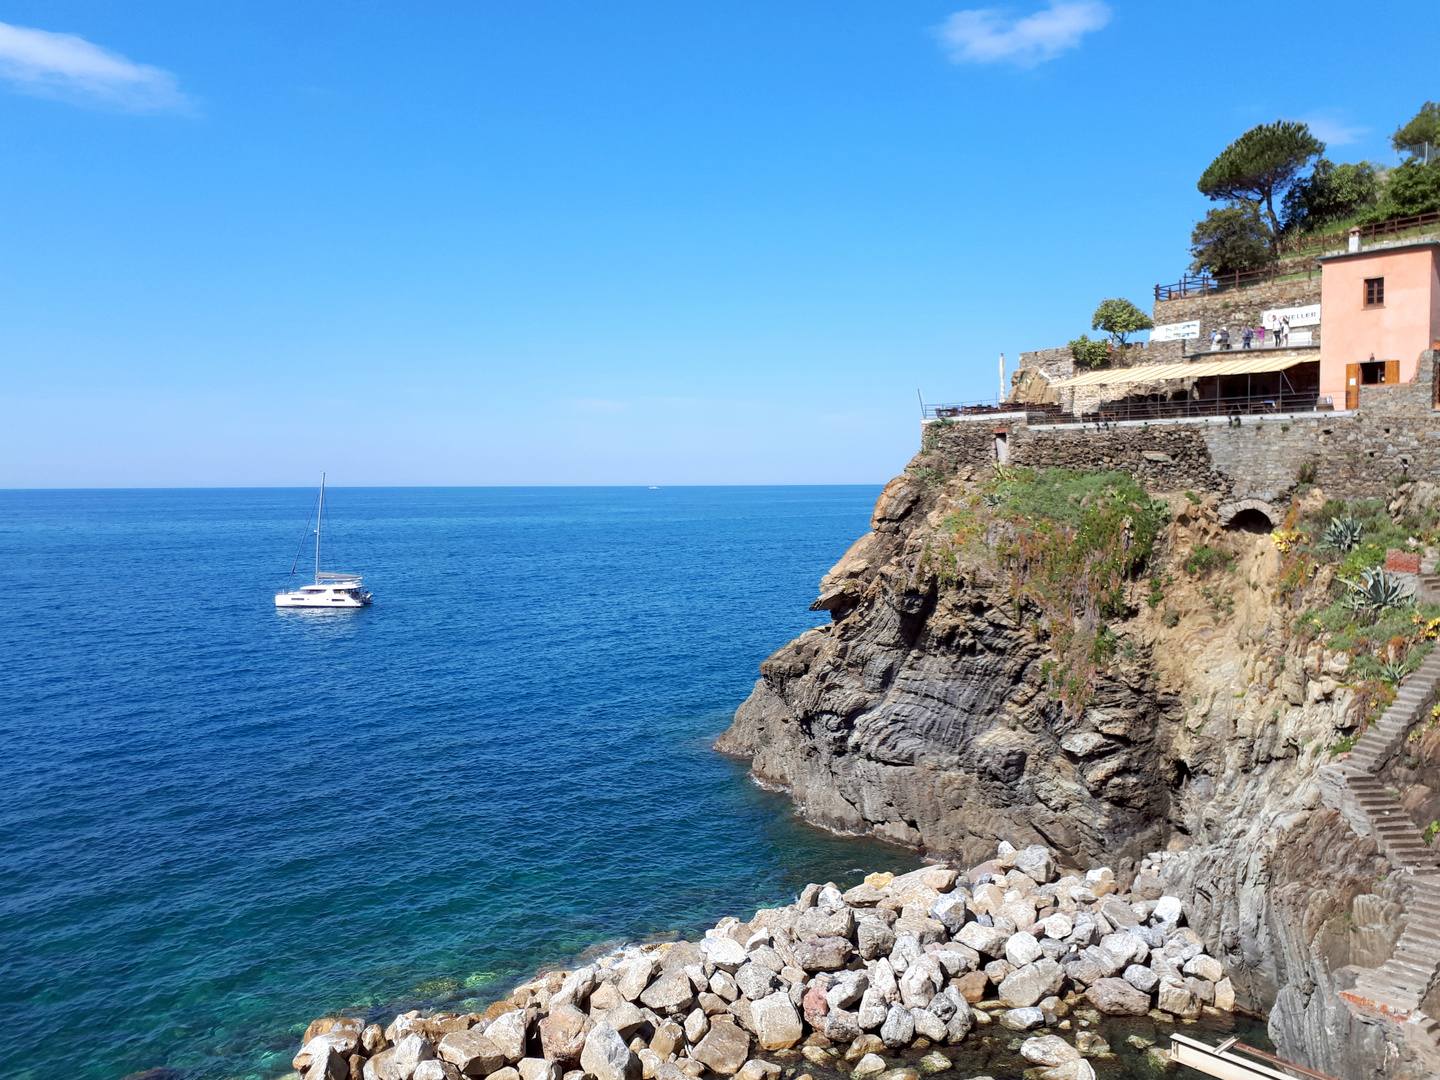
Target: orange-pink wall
x,y
1400,330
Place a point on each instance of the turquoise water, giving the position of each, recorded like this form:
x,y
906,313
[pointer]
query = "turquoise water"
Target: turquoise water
x,y
221,821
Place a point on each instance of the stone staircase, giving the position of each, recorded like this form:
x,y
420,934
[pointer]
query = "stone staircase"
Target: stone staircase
x,y
1399,986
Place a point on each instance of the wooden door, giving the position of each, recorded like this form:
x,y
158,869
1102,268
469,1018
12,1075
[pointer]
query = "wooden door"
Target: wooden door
x,y
1352,386
1392,372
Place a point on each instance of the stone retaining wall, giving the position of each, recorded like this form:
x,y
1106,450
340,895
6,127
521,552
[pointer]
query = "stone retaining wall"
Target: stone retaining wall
x,y
1235,308
1351,455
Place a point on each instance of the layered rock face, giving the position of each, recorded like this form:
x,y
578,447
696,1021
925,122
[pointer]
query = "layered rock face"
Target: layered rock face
x,y
923,714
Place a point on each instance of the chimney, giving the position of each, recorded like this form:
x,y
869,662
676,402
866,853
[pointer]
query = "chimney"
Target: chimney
x,y
1354,240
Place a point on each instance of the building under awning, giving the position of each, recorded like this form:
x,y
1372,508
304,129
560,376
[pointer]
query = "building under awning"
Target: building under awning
x,y
1241,365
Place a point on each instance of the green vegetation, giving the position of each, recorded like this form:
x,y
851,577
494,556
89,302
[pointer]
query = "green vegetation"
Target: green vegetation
x,y
1089,353
1375,591
1419,138
1068,543
1332,194
1204,559
1430,831
1230,239
1171,618
1261,165
1343,745
1120,319
1343,533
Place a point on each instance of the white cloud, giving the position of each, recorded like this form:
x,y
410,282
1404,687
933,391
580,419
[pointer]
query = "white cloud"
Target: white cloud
x,y
1333,131
987,35
70,68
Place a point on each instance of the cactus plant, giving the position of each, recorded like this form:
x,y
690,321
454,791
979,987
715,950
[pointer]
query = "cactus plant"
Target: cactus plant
x,y
1377,590
1343,533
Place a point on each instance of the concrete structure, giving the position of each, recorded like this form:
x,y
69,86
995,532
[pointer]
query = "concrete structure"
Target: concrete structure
x,y
1382,310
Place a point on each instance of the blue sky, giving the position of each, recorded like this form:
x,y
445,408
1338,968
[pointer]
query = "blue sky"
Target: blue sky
x,y
624,243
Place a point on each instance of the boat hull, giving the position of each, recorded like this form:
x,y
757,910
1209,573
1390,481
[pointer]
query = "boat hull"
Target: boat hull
x,y
330,603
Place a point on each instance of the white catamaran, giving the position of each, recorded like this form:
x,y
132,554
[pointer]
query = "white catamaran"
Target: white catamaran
x,y
330,590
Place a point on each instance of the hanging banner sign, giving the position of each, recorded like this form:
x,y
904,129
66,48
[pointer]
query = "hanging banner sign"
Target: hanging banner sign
x,y
1176,331
1298,316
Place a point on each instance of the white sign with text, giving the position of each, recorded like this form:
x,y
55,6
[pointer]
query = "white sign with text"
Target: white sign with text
x,y
1298,316
1176,331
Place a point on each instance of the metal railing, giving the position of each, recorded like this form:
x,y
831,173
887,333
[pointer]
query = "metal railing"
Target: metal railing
x,y
1298,245
978,410
1112,412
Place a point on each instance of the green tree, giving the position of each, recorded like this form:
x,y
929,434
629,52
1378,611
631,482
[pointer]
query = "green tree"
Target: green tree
x,y
1259,165
1231,238
1090,353
1120,319
1413,188
1421,132
1331,193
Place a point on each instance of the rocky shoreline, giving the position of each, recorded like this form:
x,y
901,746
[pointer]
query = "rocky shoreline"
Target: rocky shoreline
x,y
855,983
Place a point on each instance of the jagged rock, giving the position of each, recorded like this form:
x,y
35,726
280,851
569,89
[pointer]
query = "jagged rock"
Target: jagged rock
x,y
755,981
934,1062
1022,1019
1075,1070
869,1065
1204,967
918,984
1036,863
841,1026
1091,1043
668,1039
758,1069
1027,985
1116,997
899,1027
822,922
668,994
473,1053
874,938
873,1010
577,987
538,1069
433,1069
1021,948
372,1040
882,979
409,1052
509,1033
696,1025
1168,909
724,1049
1141,978
562,1035
1180,1000
972,985
776,1023
326,1063
1048,1050
634,976
823,954
723,952
1225,996
907,950
723,985
986,940
606,1057
847,989
713,1004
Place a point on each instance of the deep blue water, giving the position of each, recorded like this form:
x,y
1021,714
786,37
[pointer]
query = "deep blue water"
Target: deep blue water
x,y
218,821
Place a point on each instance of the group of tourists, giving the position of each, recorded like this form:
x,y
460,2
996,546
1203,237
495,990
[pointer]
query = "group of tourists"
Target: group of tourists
x,y
1253,336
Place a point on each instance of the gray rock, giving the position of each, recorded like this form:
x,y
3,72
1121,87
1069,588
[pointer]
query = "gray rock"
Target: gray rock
x,y
956,961
668,994
758,1069
986,940
410,1051
928,1024
874,938
907,950
1180,1000
949,911
509,1032
847,989
327,1063
1141,978
1022,948
869,1065
724,1050
823,954
767,958
898,1029
562,1035
873,1010
723,984
776,1023
724,952
755,981
841,1026
1036,863
1025,986
1022,1019
1048,1050
863,896
577,987
1168,910
626,1018
606,1057
882,978
538,1069
822,923
434,1069
963,1019
634,976
1123,949
919,983
925,930
696,1025
1204,967
472,1052
1116,997
943,1006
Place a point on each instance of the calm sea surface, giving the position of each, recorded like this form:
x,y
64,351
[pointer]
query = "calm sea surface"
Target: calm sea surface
x,y
220,820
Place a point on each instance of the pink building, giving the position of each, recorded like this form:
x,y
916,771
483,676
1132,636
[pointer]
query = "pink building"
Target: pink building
x,y
1381,310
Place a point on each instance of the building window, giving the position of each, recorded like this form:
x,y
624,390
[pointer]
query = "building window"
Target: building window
x,y
1374,292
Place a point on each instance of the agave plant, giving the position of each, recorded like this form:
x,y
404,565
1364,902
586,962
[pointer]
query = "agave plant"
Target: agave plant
x,y
1343,533
1377,590
1393,673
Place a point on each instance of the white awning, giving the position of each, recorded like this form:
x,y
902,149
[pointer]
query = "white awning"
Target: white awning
x,y
1242,365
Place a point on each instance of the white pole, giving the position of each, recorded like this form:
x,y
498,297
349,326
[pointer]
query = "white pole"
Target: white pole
x,y
1003,391
319,520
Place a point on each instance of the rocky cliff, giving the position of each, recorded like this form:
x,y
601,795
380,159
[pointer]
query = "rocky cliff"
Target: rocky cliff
x,y
928,713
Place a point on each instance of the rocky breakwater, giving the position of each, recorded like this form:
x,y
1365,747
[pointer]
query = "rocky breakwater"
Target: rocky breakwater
x,y
835,982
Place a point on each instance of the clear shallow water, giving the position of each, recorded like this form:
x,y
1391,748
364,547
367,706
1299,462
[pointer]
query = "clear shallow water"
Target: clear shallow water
x,y
220,820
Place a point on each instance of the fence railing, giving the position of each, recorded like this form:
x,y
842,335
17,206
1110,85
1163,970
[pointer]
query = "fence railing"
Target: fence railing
x,y
972,409
1298,245
1288,401
1203,284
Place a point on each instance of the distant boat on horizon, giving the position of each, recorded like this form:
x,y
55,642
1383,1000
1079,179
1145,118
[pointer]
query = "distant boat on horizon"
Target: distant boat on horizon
x,y
330,590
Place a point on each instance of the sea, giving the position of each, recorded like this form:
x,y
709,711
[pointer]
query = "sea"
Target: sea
x,y
221,820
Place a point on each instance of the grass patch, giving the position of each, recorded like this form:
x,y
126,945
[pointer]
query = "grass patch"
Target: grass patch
x,y
1204,559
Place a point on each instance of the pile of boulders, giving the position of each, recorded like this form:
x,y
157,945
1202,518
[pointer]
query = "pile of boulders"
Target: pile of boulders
x,y
836,979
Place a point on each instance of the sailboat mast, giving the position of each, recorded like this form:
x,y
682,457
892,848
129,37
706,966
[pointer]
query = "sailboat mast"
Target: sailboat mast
x,y
319,521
